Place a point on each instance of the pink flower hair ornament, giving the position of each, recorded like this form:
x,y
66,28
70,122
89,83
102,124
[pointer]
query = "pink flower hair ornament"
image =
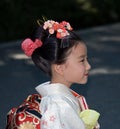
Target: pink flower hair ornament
x,y
61,28
28,46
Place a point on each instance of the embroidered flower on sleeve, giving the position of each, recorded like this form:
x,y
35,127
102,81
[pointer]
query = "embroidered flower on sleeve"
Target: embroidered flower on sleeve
x,y
27,125
52,118
43,122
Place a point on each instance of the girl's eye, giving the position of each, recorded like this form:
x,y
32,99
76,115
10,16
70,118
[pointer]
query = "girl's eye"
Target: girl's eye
x,y
82,60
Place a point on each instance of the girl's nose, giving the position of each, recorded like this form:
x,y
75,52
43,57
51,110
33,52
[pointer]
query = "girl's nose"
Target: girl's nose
x,y
88,66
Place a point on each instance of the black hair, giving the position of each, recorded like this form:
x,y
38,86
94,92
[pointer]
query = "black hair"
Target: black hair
x,y
53,50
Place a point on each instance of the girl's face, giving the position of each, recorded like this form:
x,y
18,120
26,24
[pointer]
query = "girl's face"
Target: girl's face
x,y
76,67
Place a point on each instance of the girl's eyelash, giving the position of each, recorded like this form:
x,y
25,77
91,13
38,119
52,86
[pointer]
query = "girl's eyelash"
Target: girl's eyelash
x,y
82,60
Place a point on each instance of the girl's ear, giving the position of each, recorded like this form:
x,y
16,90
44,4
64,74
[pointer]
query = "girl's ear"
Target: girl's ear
x,y
59,68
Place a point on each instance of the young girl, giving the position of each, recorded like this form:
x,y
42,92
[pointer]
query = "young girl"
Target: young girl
x,y
60,53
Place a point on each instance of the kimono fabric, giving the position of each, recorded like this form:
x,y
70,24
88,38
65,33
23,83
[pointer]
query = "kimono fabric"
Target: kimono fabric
x,y
55,107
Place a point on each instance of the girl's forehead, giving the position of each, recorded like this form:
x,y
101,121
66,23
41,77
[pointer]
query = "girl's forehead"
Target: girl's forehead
x,y
80,50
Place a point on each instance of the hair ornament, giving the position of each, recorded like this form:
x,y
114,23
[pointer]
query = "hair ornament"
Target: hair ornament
x,y
61,28
29,46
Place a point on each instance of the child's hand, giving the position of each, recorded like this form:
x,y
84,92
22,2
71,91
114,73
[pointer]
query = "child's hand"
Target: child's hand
x,y
90,118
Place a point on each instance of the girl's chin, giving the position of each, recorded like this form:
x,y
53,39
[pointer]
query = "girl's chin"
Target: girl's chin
x,y
83,81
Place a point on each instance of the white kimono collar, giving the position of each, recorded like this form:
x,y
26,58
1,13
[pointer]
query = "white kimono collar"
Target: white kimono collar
x,y
48,88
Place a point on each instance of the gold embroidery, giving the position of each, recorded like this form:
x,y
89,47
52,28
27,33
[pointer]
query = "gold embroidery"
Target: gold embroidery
x,y
27,125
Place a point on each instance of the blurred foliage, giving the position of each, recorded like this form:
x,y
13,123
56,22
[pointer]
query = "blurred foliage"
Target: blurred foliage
x,y
18,17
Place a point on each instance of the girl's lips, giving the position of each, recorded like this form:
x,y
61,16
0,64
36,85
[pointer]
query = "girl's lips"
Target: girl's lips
x,y
86,74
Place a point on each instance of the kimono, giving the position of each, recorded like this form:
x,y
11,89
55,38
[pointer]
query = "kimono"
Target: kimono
x,y
55,107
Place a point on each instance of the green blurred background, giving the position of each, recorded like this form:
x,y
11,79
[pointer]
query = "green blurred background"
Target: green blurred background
x,y
19,16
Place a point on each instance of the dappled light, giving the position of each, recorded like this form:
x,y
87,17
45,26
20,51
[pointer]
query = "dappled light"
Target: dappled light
x,y
18,56
111,38
2,63
103,38
104,71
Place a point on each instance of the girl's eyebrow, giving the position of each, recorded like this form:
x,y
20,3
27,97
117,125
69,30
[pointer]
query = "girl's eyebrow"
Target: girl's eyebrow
x,y
82,56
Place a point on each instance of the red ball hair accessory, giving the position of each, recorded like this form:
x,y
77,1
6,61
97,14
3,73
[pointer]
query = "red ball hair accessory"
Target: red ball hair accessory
x,y
28,46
